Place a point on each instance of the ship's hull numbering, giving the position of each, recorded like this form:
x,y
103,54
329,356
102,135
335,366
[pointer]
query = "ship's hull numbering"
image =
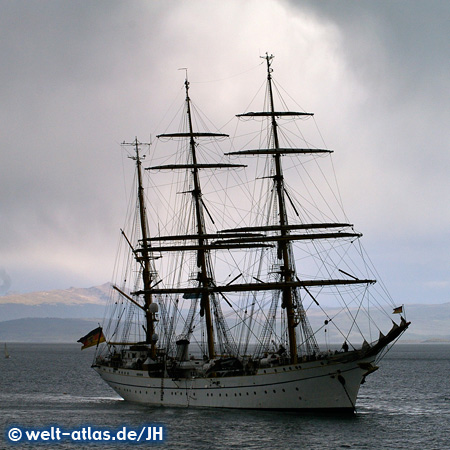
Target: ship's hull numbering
x,y
310,386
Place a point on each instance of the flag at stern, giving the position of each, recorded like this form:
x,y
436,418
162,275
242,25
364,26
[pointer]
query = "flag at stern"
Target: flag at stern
x,y
94,337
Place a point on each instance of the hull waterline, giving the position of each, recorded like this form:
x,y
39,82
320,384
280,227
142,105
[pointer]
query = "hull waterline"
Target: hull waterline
x,y
319,385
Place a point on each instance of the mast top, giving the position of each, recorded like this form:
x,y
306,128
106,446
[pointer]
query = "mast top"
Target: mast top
x,y
136,144
268,58
186,81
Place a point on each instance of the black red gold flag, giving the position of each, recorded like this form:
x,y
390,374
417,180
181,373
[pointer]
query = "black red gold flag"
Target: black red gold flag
x,y
94,337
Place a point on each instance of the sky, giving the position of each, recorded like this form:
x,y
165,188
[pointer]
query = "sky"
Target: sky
x,y
78,78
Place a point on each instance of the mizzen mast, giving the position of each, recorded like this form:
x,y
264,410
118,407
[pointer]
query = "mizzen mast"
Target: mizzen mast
x,y
150,336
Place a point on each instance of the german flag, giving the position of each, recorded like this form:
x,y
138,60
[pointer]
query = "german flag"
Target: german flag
x,y
398,310
95,337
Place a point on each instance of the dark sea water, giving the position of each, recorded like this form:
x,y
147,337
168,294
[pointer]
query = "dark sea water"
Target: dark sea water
x,y
404,405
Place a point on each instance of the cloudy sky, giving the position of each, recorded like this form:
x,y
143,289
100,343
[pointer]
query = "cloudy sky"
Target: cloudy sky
x,y
78,78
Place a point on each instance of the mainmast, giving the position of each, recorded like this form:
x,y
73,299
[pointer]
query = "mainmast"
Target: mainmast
x,y
203,278
202,245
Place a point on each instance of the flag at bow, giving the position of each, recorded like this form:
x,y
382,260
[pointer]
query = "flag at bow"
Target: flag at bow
x,y
94,337
398,310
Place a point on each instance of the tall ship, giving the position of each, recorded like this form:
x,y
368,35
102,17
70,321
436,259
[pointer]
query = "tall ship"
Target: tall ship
x,y
235,279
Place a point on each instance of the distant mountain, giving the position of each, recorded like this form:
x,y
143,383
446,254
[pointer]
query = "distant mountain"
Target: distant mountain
x,y
75,303
65,315
96,295
54,316
428,322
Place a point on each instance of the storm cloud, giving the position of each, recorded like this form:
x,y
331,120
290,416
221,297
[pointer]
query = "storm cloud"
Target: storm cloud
x,y
78,78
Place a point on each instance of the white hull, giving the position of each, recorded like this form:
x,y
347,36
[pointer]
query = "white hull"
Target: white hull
x,y
317,385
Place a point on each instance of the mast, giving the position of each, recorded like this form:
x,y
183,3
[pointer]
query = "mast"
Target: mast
x,y
200,237
287,271
202,276
201,242
289,283
145,251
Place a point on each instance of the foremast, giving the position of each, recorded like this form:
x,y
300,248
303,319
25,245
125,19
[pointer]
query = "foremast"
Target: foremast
x,y
289,282
287,271
289,300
